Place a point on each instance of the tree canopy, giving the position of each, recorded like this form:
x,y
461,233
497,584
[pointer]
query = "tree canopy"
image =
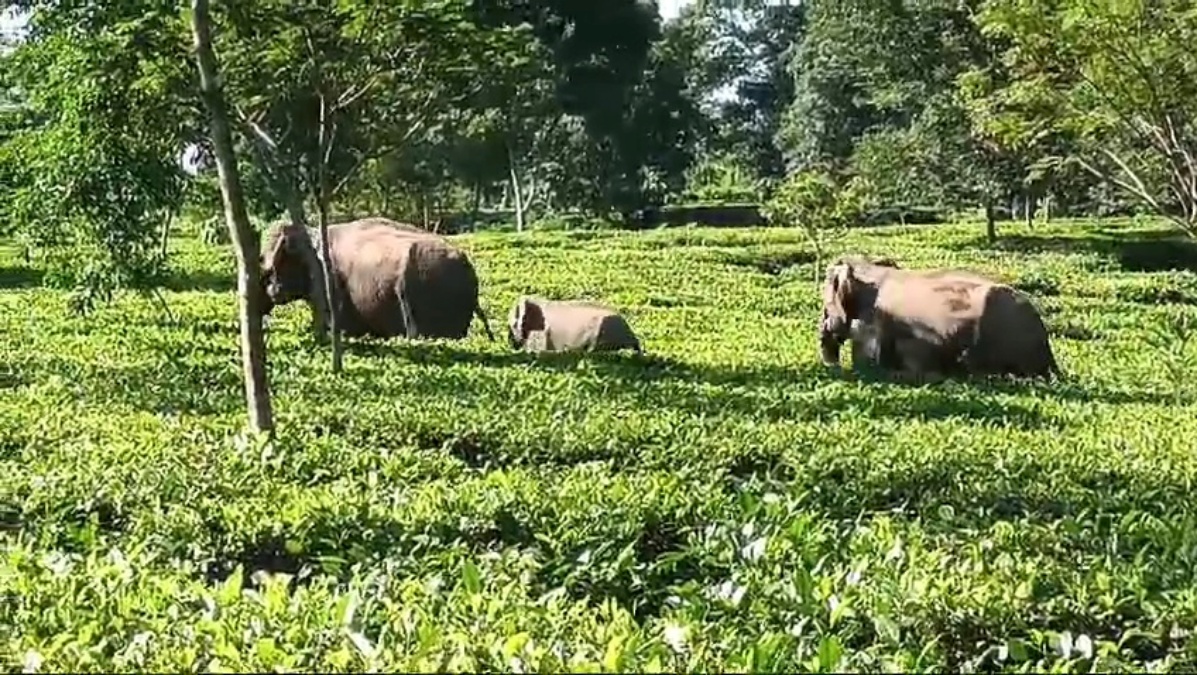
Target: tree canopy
x,y
453,112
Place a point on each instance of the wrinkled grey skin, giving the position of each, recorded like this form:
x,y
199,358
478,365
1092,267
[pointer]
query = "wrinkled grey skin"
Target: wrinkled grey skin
x,y
539,325
392,280
931,324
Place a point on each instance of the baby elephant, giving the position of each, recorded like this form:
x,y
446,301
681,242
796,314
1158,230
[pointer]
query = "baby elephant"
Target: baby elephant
x,y
538,325
872,355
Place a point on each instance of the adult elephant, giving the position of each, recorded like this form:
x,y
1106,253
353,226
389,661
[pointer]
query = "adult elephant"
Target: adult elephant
x,y
392,279
931,323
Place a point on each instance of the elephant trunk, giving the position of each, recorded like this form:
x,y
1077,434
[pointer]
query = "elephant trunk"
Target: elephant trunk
x,y
833,331
265,301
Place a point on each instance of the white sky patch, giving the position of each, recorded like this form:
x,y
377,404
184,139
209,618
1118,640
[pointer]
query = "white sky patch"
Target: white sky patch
x,y
671,8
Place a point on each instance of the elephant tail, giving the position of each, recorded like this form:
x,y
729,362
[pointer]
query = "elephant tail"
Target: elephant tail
x,y
485,324
410,330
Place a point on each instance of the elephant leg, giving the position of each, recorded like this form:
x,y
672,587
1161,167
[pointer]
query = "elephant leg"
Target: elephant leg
x,y
866,343
319,325
983,359
880,344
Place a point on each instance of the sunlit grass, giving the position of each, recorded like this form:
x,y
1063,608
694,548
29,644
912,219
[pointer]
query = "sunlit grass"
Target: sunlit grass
x,y
725,504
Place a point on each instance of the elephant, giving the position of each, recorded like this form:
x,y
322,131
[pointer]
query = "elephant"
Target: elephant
x,y
391,280
539,325
931,324
402,227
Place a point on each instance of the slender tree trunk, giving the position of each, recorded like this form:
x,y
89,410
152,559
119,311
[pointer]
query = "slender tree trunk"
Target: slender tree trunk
x,y
515,189
283,182
324,146
531,195
477,206
167,222
990,222
249,294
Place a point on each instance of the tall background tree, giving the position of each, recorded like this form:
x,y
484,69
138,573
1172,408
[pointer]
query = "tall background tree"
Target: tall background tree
x,y
253,343
1118,78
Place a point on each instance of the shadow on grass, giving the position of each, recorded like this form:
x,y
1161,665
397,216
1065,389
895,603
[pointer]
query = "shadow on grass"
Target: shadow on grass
x,y
11,377
331,543
936,403
967,493
334,541
204,380
1065,512
17,276
768,262
20,276
1133,251
163,386
196,281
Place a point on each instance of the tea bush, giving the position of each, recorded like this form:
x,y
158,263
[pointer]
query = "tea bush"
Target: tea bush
x,y
723,504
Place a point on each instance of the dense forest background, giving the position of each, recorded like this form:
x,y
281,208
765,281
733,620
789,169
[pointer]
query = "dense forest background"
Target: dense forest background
x,y
468,114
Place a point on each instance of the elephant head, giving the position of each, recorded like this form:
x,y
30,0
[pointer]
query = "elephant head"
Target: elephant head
x,y
526,316
289,265
848,291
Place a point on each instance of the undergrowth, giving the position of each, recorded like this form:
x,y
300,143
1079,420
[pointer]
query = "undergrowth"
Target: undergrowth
x,y
724,504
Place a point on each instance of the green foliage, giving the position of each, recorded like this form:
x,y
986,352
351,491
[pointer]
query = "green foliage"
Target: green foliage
x,y
1118,77
897,165
878,95
404,108
612,71
847,50
816,202
379,77
723,180
724,504
93,172
744,48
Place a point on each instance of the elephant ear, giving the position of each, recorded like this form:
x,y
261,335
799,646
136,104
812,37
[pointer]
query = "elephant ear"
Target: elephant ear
x,y
529,316
838,290
275,250
286,247
513,317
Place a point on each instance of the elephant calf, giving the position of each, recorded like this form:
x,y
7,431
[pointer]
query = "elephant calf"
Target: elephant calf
x,y
866,345
876,350
538,325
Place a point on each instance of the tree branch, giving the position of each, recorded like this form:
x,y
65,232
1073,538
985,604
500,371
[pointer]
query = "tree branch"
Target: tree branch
x,y
270,158
1137,188
385,148
366,156
353,94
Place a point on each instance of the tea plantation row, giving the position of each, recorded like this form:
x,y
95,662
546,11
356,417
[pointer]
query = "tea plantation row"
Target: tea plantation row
x,y
725,504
